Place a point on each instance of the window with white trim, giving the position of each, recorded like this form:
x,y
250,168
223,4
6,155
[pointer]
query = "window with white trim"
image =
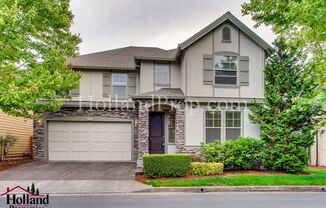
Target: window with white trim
x,y
171,128
222,125
232,125
162,74
225,69
213,126
119,85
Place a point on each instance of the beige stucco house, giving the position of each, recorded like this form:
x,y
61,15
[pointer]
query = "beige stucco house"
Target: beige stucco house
x,y
137,100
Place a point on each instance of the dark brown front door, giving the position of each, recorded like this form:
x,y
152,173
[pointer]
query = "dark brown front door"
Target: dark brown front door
x,y
156,133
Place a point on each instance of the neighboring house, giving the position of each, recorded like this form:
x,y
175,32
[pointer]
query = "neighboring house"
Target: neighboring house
x,y
318,150
22,129
117,113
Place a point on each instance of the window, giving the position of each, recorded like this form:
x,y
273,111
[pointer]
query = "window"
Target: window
x,y
162,74
171,128
226,70
213,126
222,125
226,37
119,85
232,125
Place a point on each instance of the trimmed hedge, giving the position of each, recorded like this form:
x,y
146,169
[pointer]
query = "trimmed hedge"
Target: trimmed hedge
x,y
206,169
166,165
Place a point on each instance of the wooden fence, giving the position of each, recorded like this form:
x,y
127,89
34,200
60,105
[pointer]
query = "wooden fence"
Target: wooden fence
x,y
20,128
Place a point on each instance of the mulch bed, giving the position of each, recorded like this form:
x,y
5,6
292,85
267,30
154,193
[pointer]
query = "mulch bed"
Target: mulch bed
x,y
143,178
317,168
6,164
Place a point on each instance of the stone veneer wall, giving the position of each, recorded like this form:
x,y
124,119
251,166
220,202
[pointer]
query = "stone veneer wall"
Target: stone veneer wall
x,y
39,130
143,133
180,127
192,150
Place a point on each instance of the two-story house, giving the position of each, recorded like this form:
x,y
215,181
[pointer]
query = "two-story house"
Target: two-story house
x,y
138,100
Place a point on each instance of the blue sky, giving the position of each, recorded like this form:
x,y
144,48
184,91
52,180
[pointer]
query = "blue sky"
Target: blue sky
x,y
108,24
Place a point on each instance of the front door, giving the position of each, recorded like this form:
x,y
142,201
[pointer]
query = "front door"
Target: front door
x,y
156,133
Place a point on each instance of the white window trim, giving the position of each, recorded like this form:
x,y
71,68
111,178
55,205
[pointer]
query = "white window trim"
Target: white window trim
x,y
162,84
241,124
221,127
119,85
237,71
223,123
167,129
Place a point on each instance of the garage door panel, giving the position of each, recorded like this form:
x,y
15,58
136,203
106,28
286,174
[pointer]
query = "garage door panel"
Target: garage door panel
x,y
89,141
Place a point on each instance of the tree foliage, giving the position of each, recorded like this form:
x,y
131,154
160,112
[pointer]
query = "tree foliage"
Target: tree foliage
x,y
303,24
287,121
35,41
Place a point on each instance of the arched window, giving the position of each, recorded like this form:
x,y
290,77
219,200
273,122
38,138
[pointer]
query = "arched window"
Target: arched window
x,y
226,34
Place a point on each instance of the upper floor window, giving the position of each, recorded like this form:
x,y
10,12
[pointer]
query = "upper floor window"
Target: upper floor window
x,y
226,69
226,34
162,74
119,85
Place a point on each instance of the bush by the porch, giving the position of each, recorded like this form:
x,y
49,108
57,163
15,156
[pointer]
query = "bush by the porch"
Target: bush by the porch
x,y
206,169
243,153
166,165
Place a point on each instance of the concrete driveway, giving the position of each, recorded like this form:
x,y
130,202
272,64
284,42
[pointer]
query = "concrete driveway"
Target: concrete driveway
x,y
70,171
74,177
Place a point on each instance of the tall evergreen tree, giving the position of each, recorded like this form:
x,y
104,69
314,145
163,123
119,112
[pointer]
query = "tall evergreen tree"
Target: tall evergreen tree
x,y
288,123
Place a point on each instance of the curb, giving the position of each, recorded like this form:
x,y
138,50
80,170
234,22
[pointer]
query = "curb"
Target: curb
x,y
238,189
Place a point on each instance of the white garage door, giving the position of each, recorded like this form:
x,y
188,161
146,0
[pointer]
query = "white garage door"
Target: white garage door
x,y
89,141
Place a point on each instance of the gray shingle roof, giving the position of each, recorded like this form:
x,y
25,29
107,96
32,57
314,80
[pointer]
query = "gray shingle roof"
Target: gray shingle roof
x,y
163,92
121,58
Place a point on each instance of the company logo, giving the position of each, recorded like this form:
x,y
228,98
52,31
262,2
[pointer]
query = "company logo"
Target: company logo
x,y
30,197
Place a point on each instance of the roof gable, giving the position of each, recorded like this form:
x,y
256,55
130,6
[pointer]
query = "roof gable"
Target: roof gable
x,y
226,17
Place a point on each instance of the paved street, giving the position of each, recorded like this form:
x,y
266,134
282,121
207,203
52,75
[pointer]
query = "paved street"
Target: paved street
x,y
183,200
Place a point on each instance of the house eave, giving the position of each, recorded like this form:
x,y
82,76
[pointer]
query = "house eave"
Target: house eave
x,y
103,68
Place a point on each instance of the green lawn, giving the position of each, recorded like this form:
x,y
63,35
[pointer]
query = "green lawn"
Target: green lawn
x,y
315,177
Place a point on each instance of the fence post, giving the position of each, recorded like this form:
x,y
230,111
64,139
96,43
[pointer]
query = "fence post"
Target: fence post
x,y
31,148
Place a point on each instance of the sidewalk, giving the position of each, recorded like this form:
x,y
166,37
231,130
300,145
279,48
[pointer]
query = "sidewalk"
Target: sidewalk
x,y
239,189
79,186
130,186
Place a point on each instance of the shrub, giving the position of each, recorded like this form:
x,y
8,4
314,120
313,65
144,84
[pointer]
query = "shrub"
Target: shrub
x,y
166,165
6,142
196,158
212,152
243,153
206,169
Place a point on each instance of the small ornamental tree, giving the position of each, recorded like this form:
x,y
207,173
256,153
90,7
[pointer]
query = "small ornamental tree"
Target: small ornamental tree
x,y
288,123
